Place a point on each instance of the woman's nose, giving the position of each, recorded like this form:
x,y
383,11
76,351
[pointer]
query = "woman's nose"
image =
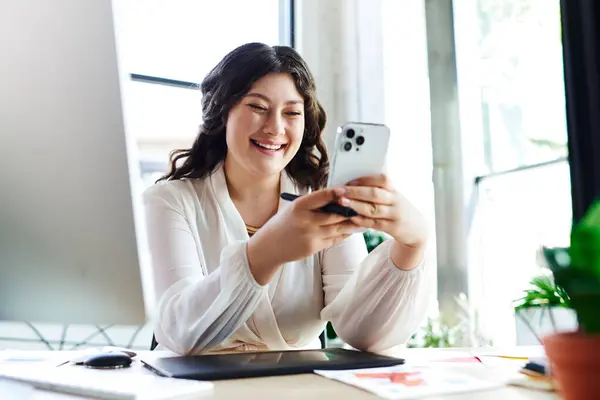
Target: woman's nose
x,y
275,125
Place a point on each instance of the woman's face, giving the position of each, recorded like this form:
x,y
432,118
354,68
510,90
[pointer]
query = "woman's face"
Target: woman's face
x,y
265,129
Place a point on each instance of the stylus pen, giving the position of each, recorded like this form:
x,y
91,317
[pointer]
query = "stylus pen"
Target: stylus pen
x,y
332,208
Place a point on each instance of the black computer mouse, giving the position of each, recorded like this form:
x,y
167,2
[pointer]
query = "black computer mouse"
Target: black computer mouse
x,y
113,359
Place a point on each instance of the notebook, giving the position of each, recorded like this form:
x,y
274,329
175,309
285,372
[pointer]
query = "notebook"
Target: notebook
x,y
267,363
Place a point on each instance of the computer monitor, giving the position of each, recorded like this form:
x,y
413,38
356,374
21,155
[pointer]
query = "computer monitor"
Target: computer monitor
x,y
71,241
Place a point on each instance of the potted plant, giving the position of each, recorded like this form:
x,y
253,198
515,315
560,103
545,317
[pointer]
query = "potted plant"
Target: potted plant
x,y
575,356
436,334
543,309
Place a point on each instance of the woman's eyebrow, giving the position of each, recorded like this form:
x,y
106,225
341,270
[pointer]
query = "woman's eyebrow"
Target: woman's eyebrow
x,y
265,98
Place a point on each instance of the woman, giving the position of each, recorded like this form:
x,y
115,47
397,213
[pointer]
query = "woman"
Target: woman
x,y
238,269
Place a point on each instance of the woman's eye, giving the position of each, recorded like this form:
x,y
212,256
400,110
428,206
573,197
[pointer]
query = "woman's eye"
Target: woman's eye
x,y
257,107
293,113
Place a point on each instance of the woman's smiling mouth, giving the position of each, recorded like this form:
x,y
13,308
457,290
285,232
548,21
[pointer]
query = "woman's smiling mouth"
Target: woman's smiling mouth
x,y
268,147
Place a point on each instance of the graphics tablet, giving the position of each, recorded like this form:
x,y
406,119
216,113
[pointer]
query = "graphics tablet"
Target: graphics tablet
x,y
267,363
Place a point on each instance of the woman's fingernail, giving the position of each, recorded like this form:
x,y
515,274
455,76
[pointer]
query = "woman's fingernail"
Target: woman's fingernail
x,y
345,201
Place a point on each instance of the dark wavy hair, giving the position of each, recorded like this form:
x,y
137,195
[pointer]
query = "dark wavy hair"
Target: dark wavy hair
x,y
225,86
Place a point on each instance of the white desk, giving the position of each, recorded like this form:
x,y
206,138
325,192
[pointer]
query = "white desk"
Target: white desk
x,y
309,386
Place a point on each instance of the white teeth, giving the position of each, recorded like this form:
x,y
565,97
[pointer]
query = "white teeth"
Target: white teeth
x,y
268,146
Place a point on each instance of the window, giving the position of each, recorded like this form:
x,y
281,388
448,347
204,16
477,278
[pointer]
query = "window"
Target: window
x,y
162,117
169,46
523,188
519,212
522,85
183,39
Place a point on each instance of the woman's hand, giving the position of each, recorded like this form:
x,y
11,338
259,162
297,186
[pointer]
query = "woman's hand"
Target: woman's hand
x,y
299,231
382,208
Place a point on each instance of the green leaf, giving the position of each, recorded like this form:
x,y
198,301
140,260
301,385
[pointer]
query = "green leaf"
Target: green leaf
x,y
583,288
585,241
543,293
592,216
585,248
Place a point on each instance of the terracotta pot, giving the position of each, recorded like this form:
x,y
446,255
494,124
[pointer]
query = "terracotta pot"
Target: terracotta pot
x,y
575,364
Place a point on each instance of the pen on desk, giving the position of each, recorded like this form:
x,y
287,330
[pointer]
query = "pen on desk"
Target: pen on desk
x,y
513,358
333,208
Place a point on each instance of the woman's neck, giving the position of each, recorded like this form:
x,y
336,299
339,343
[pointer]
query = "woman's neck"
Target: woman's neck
x,y
255,197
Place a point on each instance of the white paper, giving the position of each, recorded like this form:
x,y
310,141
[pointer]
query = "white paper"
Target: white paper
x,y
11,390
406,382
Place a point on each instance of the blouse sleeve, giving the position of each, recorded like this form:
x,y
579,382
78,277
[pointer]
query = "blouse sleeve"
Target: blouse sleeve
x,y
372,305
195,311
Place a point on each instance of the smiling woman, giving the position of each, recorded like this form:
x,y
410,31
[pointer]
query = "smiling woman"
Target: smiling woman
x,y
238,268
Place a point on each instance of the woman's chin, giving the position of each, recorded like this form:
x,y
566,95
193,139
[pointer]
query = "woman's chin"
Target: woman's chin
x,y
265,168
269,171
267,165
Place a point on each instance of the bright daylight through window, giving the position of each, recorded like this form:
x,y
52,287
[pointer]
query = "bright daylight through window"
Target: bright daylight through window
x,y
524,198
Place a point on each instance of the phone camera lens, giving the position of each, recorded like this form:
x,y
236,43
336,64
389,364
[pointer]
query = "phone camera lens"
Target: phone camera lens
x,y
360,140
347,146
350,133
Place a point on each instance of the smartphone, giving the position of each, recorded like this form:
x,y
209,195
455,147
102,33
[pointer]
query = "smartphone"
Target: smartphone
x,y
360,149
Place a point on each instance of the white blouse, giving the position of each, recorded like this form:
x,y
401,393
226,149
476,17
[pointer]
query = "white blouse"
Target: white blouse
x,y
209,301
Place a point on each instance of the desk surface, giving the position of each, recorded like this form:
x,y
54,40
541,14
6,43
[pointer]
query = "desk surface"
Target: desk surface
x,y
308,386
